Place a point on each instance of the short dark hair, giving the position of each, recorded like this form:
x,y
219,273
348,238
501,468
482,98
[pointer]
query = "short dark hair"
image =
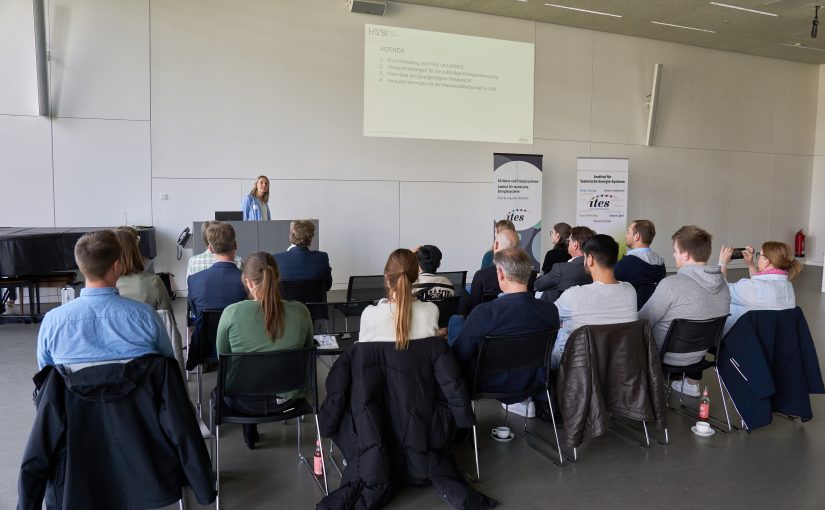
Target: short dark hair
x,y
429,258
581,234
604,250
646,230
221,237
515,263
95,253
695,241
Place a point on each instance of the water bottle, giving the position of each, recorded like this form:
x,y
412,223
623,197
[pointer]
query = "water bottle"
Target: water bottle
x,y
318,467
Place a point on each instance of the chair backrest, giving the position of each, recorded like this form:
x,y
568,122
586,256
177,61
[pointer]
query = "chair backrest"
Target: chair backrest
x,y
208,334
447,307
265,374
457,278
486,298
498,354
366,288
340,317
691,335
305,291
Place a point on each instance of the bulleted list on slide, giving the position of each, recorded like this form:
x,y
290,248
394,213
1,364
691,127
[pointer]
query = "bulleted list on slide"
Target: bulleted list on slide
x,y
422,84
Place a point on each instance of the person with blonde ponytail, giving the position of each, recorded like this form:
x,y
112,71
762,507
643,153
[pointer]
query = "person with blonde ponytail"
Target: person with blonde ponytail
x,y
264,323
399,317
772,269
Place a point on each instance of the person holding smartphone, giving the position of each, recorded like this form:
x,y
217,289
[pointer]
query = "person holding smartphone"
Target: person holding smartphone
x,y
771,269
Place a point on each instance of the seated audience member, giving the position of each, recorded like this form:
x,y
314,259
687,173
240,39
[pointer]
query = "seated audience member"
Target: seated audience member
x,y
605,301
558,235
501,225
204,260
769,287
485,281
220,285
697,291
298,262
134,282
564,275
515,312
100,325
399,317
430,286
641,267
265,323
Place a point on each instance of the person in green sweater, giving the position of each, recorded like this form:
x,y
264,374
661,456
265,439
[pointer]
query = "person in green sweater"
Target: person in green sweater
x,y
265,323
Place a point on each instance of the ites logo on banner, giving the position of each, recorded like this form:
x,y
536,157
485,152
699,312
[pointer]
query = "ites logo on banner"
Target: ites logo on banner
x,y
516,215
600,201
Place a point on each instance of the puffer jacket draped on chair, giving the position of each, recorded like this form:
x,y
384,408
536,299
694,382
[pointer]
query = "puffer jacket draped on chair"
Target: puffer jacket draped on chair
x,y
392,414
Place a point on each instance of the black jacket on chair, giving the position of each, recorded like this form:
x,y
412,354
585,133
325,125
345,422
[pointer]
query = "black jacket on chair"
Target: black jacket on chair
x,y
768,362
113,436
392,414
609,370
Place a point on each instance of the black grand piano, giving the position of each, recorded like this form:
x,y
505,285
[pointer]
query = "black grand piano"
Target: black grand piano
x,y
31,256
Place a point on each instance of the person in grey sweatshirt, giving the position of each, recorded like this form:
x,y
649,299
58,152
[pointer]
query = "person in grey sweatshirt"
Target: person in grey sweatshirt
x,y
697,291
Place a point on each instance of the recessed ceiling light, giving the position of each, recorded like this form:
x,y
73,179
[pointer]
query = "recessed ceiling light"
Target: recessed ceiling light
x,y
744,9
798,45
584,10
682,26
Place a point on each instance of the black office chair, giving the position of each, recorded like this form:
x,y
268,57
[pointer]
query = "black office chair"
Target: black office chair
x,y
689,336
204,349
362,288
447,307
457,278
332,318
264,375
498,354
305,291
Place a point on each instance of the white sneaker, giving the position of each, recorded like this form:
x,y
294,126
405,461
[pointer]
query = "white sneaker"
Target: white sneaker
x,y
691,390
522,408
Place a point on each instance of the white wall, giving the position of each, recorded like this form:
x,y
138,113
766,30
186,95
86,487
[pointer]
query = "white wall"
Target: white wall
x,y
816,235
194,98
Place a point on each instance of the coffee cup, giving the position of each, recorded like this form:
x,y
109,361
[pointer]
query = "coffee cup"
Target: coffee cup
x,y
502,432
702,427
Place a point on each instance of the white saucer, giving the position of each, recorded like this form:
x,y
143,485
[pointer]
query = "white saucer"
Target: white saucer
x,y
500,440
703,434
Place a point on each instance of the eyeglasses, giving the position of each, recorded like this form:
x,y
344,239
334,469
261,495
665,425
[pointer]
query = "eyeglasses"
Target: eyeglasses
x,y
757,254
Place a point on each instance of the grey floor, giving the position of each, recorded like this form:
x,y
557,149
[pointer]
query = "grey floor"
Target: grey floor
x,y
781,466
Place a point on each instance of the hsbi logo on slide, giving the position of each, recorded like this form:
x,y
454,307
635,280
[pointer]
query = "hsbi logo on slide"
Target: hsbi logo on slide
x,y
600,201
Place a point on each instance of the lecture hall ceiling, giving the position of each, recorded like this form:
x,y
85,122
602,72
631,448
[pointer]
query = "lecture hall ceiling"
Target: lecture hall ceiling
x,y
786,36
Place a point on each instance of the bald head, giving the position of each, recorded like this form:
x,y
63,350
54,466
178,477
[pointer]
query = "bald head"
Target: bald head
x,y
506,239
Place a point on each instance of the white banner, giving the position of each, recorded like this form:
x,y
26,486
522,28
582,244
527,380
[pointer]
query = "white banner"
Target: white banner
x,y
601,196
517,179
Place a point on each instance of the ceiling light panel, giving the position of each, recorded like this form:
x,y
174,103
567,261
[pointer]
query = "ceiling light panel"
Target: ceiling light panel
x,y
587,11
754,11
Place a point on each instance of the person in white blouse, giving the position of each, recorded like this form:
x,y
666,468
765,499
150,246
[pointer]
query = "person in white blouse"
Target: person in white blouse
x,y
772,269
399,317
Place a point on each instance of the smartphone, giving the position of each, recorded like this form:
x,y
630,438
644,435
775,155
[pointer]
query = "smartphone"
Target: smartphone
x,y
737,254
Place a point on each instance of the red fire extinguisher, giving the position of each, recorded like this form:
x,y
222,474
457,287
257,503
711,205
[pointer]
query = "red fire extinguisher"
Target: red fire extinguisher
x,y
799,244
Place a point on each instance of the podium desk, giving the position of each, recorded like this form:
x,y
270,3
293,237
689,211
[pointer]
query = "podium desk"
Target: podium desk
x,y
253,236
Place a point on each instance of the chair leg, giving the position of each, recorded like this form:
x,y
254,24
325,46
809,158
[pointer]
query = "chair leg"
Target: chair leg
x,y
300,455
323,464
724,400
682,389
507,414
555,429
217,467
475,445
647,437
200,391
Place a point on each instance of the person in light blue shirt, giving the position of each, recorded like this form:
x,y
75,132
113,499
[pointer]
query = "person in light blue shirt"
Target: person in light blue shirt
x,y
255,205
100,325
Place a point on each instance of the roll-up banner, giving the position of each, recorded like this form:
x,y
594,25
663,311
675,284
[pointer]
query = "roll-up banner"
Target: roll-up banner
x,y
601,191
517,197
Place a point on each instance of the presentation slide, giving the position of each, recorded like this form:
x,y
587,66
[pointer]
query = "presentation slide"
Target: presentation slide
x,y
420,84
